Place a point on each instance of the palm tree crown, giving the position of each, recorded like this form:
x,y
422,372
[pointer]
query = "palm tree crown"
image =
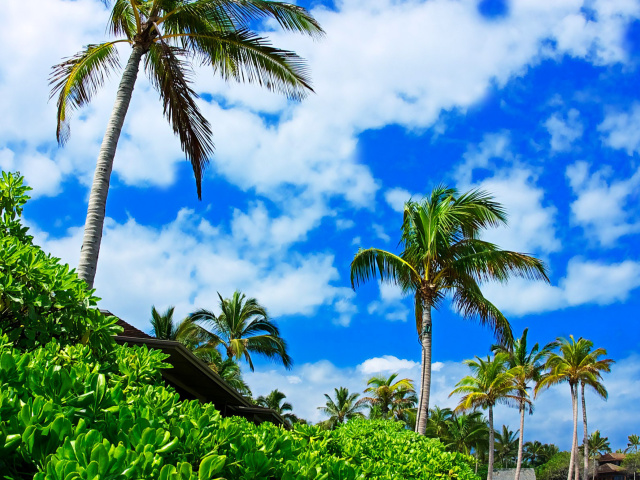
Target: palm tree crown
x,y
243,327
170,34
345,407
387,394
442,253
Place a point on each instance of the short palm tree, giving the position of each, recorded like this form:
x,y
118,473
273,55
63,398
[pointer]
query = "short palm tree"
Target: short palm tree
x,y
169,35
443,254
384,393
403,408
229,370
438,423
491,383
506,446
187,332
597,445
575,363
275,401
533,453
526,365
345,407
243,327
466,431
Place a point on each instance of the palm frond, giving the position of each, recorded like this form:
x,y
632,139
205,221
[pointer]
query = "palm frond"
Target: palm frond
x,y
243,56
369,263
122,21
76,80
169,75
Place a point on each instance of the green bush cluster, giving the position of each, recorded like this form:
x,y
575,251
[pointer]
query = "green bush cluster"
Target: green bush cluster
x,y
40,298
67,416
556,468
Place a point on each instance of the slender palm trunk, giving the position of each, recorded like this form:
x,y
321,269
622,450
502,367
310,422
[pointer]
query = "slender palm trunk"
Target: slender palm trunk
x,y
586,437
100,188
491,444
574,405
425,384
520,440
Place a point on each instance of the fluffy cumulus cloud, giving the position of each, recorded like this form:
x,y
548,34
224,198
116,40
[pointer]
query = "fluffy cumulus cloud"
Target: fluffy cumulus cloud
x,y
551,421
564,131
621,129
186,262
605,205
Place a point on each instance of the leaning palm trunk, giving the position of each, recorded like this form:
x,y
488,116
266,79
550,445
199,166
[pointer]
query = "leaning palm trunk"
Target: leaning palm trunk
x,y
491,444
98,198
586,437
520,440
425,384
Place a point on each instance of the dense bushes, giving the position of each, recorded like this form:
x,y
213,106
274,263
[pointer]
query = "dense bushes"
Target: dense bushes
x,y
66,416
41,299
74,406
556,468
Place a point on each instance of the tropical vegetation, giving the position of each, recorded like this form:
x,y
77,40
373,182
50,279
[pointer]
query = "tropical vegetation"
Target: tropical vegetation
x,y
345,406
442,254
169,35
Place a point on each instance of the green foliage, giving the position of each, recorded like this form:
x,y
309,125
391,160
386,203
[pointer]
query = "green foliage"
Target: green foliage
x,y
631,463
40,298
65,415
556,468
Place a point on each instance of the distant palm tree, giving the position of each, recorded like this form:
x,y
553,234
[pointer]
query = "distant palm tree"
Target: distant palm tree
x,y
597,445
575,363
491,383
442,254
403,407
466,431
275,401
230,372
548,451
533,452
243,327
506,446
526,365
438,423
186,331
171,34
345,407
384,393
634,443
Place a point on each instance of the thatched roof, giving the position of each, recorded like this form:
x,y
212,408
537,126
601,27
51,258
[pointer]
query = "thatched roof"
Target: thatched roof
x,y
612,457
510,474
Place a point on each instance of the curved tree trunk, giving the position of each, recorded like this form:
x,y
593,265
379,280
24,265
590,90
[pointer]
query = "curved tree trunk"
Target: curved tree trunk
x,y
491,444
425,384
100,188
586,435
574,406
520,441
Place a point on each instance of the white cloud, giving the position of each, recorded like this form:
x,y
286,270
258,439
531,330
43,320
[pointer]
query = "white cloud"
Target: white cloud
x,y
605,207
492,146
386,364
396,198
391,304
586,282
621,130
187,261
564,132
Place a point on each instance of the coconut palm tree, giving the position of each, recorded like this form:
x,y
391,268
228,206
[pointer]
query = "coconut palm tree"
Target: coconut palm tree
x,y
243,327
466,431
506,446
438,423
275,401
443,254
230,372
533,452
597,445
634,443
384,393
526,365
169,34
403,408
187,331
345,407
575,363
491,383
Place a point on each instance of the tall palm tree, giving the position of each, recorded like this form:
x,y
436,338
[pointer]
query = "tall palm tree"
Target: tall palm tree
x,y
275,401
506,446
491,383
243,327
526,365
441,254
575,363
384,392
169,34
345,407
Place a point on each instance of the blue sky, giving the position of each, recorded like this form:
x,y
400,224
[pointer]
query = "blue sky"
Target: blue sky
x,y
535,101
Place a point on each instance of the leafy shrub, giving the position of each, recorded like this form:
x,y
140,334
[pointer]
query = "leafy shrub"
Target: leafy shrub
x,y
66,416
556,468
40,298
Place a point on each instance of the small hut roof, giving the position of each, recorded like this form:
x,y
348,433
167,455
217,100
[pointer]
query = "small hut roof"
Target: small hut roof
x,y
510,474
